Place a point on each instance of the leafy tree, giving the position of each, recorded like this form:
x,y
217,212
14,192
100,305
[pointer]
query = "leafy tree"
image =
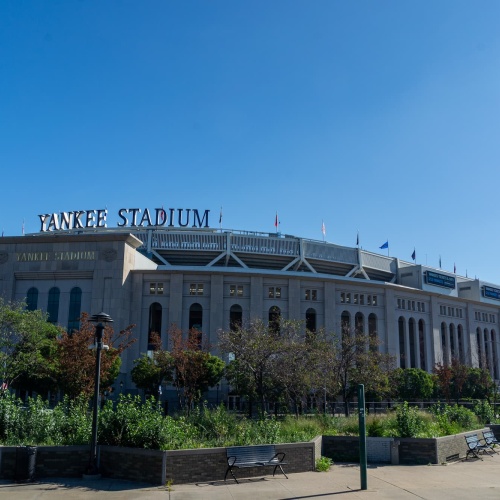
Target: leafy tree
x,y
77,361
150,372
27,348
195,369
413,384
358,361
479,384
255,348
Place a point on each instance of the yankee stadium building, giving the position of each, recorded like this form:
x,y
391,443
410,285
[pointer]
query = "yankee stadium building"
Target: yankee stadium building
x,y
168,266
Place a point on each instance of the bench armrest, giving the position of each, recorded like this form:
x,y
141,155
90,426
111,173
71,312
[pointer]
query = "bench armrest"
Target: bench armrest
x,y
279,457
229,461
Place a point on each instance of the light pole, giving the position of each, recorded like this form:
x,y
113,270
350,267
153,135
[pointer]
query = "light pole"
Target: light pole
x,y
99,319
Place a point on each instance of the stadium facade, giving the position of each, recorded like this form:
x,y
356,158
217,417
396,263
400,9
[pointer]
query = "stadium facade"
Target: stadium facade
x,y
164,267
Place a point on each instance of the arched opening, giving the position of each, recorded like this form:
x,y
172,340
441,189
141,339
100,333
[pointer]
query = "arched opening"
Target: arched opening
x,y
311,320
460,337
274,320
412,332
494,348
453,352
235,317
402,331
372,331
479,349
32,299
486,350
75,304
421,341
345,324
53,305
444,342
196,325
154,326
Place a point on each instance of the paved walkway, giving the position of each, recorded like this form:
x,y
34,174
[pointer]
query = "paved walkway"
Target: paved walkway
x,y
457,481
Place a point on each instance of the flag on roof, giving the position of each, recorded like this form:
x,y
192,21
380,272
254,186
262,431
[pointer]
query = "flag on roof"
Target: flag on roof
x,y
276,221
385,245
323,228
413,255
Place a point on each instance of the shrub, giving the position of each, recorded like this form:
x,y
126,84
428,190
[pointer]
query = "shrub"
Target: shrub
x,y
323,464
408,421
484,412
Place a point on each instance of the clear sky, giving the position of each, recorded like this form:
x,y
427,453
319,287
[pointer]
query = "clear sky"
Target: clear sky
x,y
377,116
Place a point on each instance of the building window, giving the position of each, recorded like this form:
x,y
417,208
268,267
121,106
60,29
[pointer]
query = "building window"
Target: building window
x,y
423,307
32,299
374,300
355,298
345,323
274,319
236,290
75,304
154,326
311,294
275,292
156,288
372,332
235,317
196,289
311,320
196,317
348,298
53,305
342,297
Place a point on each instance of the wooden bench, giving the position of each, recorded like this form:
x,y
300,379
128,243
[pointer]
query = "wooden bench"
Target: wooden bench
x,y
490,440
239,457
475,446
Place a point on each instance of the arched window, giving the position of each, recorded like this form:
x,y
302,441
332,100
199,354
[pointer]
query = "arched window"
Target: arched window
x,y
444,342
452,341
460,335
372,331
32,299
479,350
155,311
235,317
486,350
421,341
359,321
274,319
196,323
311,320
75,304
494,348
412,332
53,304
402,329
345,324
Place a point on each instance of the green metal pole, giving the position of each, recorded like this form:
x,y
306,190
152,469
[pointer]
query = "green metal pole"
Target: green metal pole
x,y
362,436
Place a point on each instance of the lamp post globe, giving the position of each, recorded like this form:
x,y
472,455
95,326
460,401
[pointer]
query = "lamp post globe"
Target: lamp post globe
x,y
99,320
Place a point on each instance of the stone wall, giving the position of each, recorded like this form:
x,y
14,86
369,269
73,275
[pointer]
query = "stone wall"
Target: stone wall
x,y
133,464
210,464
346,449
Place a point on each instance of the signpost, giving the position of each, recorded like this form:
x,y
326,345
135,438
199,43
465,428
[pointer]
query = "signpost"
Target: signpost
x,y
362,436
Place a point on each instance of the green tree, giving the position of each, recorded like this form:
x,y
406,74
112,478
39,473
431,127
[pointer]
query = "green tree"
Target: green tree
x,y
27,348
413,384
150,372
195,369
255,348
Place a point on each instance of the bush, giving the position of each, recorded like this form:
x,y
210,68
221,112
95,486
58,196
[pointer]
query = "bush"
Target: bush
x,y
408,421
484,412
323,464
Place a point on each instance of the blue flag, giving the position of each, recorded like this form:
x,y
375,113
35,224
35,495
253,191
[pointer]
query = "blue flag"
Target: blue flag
x,y
413,255
385,245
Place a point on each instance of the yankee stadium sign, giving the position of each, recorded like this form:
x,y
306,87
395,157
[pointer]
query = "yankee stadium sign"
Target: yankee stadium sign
x,y
128,217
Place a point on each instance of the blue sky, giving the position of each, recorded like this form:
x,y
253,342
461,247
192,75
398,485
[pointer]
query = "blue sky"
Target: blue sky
x,y
381,117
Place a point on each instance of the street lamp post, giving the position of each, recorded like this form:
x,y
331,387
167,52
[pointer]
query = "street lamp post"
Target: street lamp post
x,y
99,319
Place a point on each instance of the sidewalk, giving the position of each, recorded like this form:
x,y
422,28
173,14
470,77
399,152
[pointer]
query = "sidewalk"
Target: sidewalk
x,y
457,481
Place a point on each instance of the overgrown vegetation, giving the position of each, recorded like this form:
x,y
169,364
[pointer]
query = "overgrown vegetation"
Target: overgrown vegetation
x,y
131,422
